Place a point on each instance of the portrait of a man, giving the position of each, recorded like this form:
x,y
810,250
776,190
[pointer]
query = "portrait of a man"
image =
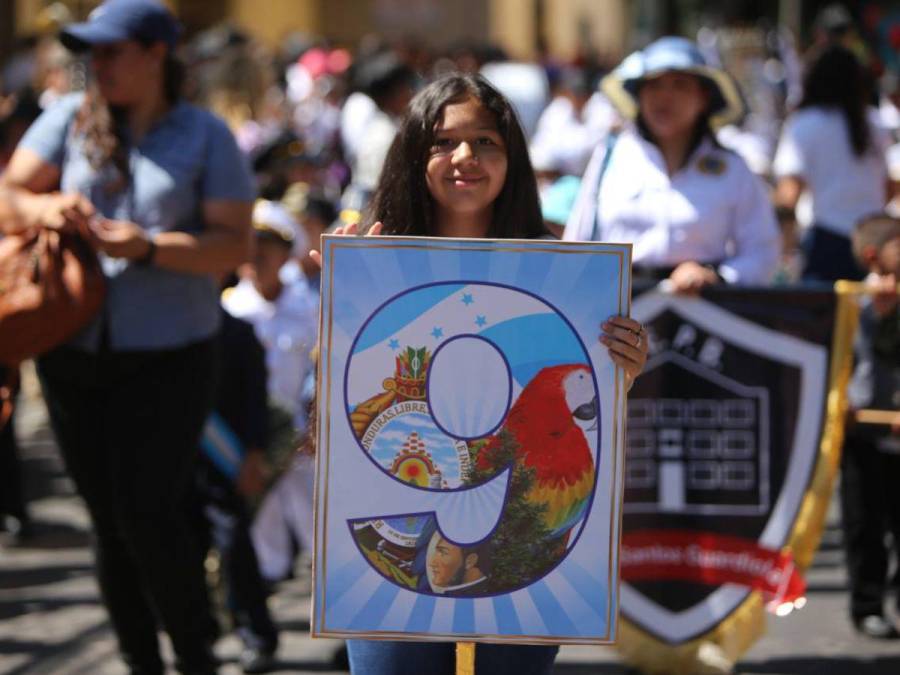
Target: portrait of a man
x,y
445,568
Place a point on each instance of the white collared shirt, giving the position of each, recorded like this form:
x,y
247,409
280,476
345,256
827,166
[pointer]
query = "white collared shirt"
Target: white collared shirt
x,y
714,210
815,146
287,330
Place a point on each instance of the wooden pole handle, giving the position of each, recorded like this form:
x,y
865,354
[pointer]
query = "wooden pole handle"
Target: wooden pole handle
x,y
465,658
887,417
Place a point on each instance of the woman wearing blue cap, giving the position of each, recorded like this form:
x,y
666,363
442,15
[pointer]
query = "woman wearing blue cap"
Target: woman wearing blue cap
x,y
166,196
693,210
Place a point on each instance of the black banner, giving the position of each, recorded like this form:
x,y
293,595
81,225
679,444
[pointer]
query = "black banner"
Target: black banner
x,y
726,433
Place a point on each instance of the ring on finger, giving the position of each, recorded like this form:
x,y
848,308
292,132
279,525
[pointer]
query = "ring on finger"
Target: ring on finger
x,y
640,336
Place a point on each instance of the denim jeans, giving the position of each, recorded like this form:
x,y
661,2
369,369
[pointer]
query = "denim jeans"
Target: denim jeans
x,y
439,658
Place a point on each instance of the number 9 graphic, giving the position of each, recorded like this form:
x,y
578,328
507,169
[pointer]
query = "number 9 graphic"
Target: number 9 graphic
x,y
448,387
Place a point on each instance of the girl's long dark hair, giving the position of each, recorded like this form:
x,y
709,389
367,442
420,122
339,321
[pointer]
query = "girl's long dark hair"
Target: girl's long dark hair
x,y
402,201
104,127
836,79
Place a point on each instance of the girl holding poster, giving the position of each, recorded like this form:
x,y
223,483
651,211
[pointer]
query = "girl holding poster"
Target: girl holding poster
x,y
459,168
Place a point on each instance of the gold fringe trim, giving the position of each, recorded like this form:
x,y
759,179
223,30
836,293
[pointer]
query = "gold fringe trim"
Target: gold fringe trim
x,y
728,641
807,532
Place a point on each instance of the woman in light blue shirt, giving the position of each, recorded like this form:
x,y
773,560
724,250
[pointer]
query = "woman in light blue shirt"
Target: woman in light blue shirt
x,y
166,196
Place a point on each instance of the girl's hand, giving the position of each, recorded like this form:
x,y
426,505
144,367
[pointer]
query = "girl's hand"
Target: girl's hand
x,y
626,340
119,238
347,230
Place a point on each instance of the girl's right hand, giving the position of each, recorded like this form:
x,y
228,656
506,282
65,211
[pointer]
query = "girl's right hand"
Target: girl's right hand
x,y
347,230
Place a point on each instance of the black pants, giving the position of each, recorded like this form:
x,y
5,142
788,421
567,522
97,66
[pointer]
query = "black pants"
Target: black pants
x,y
128,425
871,508
12,498
224,523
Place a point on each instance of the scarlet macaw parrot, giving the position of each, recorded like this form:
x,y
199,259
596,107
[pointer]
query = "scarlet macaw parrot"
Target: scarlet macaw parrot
x,y
544,423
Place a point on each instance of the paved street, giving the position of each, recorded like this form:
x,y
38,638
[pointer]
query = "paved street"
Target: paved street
x,y
51,620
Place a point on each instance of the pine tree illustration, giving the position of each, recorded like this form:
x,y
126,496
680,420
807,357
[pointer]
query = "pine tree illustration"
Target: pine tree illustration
x,y
521,550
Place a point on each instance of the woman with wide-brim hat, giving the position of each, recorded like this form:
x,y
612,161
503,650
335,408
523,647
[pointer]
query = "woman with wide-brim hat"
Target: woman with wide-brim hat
x,y
694,211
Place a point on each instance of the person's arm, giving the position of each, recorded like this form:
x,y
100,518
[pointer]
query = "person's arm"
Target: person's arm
x,y
757,241
221,247
28,196
26,201
29,184
790,168
787,192
893,191
891,156
227,193
20,209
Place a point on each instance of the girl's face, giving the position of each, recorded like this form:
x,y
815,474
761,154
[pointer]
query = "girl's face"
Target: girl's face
x,y
671,104
467,162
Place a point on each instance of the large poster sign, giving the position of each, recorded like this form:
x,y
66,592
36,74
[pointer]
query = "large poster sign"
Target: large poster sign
x,y
731,451
470,440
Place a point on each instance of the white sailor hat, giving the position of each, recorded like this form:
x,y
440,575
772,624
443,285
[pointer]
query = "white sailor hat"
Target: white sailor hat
x,y
275,220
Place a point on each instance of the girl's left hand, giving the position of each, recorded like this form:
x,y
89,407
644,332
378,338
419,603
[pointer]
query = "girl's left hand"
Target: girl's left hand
x,y
626,340
119,238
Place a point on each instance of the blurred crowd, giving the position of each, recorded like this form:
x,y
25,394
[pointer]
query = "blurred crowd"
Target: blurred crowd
x,y
315,121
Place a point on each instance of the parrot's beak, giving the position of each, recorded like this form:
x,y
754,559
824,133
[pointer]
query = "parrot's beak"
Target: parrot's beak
x,y
587,412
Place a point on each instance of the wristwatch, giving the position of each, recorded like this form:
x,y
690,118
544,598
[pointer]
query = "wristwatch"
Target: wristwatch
x,y
147,259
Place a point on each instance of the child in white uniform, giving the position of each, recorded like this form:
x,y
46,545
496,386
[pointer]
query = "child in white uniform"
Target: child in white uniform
x,y
276,298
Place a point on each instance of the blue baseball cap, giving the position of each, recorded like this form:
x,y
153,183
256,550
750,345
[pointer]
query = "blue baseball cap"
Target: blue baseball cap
x,y
116,20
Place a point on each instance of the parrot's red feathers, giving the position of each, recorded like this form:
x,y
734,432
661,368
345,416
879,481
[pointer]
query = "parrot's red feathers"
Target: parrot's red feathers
x,y
549,441
546,434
